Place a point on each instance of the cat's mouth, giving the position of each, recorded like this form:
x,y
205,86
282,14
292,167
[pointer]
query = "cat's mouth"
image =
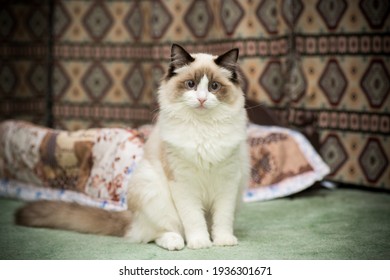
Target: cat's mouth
x,y
202,108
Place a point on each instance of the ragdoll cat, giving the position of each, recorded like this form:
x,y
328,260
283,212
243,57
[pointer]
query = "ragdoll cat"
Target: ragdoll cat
x,y
186,188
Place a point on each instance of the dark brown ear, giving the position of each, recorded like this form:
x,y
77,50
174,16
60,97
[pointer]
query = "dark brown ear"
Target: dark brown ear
x,y
228,60
179,58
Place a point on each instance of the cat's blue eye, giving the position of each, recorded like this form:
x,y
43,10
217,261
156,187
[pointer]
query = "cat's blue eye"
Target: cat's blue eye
x,y
190,84
215,86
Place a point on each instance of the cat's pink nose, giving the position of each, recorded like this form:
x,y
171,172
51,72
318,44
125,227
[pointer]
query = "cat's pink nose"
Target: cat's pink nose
x,y
202,100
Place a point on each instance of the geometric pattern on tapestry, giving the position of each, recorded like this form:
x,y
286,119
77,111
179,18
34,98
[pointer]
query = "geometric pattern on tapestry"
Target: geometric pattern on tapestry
x,y
161,19
61,20
376,83
333,152
96,81
266,13
331,11
333,82
342,48
37,23
198,18
291,11
97,20
24,34
272,81
373,160
8,22
375,12
133,21
8,78
232,13
134,82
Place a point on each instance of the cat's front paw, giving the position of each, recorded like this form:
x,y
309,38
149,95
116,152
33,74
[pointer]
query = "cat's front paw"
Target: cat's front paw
x,y
171,241
225,240
199,243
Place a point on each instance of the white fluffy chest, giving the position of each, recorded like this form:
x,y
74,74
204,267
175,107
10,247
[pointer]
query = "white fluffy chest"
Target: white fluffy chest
x,y
204,145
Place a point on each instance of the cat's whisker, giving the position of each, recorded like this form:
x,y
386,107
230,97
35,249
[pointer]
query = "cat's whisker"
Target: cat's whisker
x,y
255,106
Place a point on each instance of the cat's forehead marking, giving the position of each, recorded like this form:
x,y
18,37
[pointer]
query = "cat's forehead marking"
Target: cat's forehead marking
x,y
208,60
203,72
204,64
204,83
211,73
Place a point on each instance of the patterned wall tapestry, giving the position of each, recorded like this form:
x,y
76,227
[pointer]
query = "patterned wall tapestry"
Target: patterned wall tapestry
x,y
24,51
343,49
110,55
321,66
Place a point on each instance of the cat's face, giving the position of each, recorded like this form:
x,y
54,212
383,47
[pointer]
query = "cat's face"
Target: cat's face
x,y
201,83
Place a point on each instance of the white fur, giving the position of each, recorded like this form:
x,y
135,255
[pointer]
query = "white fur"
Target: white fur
x,y
207,152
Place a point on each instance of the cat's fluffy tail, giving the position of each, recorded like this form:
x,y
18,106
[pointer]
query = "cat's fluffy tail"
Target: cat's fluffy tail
x,y
75,217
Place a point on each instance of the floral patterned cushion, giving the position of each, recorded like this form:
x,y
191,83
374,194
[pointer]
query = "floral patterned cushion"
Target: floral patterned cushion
x,y
283,162
89,166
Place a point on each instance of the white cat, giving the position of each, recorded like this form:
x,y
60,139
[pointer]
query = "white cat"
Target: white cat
x,y
186,188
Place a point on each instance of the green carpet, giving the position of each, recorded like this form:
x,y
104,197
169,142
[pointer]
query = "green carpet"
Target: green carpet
x,y
319,224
